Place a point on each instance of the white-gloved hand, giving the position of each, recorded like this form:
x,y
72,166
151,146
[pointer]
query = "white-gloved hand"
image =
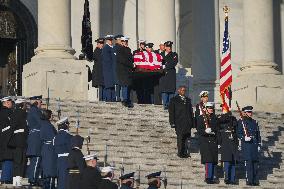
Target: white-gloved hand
x,y
247,139
208,130
164,66
258,148
219,146
211,133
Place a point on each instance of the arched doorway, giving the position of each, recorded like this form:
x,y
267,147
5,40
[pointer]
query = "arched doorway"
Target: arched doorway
x,y
18,39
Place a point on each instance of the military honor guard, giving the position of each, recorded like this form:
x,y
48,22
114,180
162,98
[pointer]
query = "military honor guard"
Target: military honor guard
x,y
228,141
127,181
91,176
97,75
6,152
168,80
107,174
124,70
207,130
181,118
154,180
34,141
48,155
161,49
62,145
248,133
76,163
109,74
18,141
141,46
201,105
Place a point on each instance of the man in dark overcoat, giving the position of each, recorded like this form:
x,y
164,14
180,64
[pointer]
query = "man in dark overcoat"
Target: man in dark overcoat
x,y
167,83
124,70
18,141
109,69
181,118
249,134
207,130
228,141
5,135
34,142
97,75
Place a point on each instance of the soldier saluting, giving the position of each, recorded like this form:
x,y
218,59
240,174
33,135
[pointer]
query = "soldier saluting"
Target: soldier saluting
x,y
207,129
228,141
248,133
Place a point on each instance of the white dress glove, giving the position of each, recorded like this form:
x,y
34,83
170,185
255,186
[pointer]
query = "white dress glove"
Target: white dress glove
x,y
247,139
208,130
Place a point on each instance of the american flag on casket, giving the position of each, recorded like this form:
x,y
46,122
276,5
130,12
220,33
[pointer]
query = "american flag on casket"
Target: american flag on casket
x,y
148,60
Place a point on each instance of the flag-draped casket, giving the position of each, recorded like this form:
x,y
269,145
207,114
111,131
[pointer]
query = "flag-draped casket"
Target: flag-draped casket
x,y
148,61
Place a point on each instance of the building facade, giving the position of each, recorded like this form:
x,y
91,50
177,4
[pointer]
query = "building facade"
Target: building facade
x,y
52,30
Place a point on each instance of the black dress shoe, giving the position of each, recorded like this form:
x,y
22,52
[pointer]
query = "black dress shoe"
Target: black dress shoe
x,y
209,181
249,184
255,184
226,181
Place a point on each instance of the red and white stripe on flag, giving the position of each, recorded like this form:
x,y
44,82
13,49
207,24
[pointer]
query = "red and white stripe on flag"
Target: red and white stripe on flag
x,y
148,60
226,71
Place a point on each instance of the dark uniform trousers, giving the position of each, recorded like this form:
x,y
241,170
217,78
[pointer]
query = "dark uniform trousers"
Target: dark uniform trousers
x,y
107,184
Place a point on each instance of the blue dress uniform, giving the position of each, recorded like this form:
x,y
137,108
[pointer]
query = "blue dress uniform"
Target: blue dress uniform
x,y
208,143
76,163
127,181
6,133
228,140
154,180
249,145
62,144
34,143
108,63
48,156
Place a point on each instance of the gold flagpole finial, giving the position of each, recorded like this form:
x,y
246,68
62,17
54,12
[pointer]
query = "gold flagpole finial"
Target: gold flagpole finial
x,y
226,9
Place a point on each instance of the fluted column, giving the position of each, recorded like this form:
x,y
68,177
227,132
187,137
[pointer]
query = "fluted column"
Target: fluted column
x,y
160,24
54,29
258,38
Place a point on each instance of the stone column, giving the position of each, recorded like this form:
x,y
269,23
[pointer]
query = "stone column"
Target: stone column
x,y
160,24
258,38
54,29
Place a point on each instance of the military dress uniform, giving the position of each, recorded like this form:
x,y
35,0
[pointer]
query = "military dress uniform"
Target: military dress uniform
x,y
107,175
168,80
6,152
154,180
76,163
62,144
97,74
48,156
18,141
109,70
181,118
198,106
124,71
127,181
208,143
250,145
228,140
34,143
91,176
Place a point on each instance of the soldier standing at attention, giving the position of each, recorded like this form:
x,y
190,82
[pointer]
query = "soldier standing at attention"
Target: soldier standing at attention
x,y
127,181
76,163
48,155
181,118
201,105
109,69
18,142
141,46
207,129
161,49
91,176
6,133
228,140
62,145
248,133
98,79
168,80
34,142
107,174
154,180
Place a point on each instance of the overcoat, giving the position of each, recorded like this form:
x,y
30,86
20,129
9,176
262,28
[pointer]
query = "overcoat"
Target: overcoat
x,y
97,73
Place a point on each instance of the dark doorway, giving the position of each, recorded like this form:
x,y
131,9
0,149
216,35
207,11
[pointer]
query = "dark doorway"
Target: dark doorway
x,y
18,39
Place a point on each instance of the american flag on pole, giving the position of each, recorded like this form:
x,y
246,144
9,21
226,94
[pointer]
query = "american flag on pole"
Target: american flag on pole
x,y
226,70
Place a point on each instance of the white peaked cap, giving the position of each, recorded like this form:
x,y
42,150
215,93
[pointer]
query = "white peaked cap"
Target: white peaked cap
x,y
107,169
61,121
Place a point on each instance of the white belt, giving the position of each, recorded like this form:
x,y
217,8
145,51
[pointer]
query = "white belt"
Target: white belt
x,y
19,131
34,130
63,155
6,128
48,142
